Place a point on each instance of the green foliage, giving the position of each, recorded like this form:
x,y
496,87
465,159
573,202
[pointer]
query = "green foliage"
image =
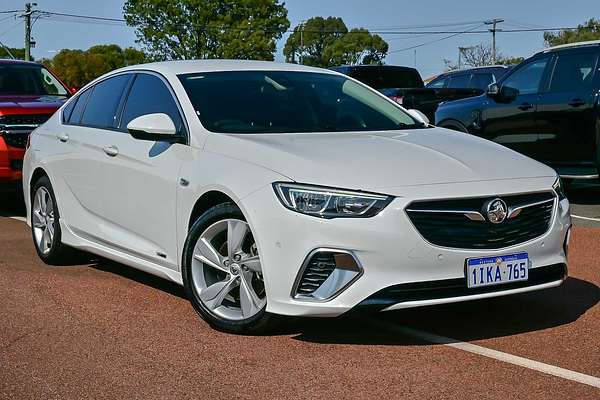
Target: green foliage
x,y
308,41
510,60
16,53
188,29
78,67
590,30
325,42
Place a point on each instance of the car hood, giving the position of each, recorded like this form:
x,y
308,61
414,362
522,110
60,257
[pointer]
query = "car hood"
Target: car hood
x,y
43,104
376,161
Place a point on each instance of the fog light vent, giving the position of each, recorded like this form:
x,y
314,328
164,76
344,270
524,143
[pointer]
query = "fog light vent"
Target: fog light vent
x,y
325,273
318,269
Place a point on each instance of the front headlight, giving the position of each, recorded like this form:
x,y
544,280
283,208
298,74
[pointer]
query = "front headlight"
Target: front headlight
x,y
329,203
559,189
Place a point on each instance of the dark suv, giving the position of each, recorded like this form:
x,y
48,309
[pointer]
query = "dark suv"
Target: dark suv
x,y
546,108
474,78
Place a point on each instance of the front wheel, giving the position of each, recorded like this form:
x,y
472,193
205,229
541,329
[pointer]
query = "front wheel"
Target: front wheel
x,y
222,272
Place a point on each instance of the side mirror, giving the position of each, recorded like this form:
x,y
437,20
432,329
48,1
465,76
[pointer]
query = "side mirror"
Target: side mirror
x,y
508,94
419,116
492,90
155,127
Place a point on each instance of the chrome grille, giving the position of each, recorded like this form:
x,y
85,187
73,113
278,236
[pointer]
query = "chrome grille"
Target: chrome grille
x,y
318,269
450,223
26,119
16,128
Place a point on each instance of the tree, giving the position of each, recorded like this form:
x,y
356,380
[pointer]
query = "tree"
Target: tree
x,y
480,56
323,42
510,60
590,30
78,67
188,29
308,41
356,47
18,53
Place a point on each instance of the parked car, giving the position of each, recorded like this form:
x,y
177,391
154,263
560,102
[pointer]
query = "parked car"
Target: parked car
x,y
471,78
405,86
546,108
273,189
29,95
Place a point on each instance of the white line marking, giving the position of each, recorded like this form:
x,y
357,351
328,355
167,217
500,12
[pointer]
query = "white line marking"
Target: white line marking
x,y
22,219
586,218
495,354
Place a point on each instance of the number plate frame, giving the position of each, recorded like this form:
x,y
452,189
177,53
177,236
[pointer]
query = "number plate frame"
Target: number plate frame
x,y
497,270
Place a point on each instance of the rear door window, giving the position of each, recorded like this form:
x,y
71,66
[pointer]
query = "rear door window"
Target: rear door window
x,y
460,81
101,110
481,80
573,72
80,102
437,83
149,95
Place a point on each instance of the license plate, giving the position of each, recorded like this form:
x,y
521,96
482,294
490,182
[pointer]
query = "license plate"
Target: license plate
x,y
489,271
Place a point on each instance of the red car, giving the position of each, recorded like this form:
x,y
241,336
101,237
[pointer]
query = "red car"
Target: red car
x,y
29,95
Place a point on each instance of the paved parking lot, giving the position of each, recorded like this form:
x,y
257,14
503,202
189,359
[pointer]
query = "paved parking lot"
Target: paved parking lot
x,y
103,330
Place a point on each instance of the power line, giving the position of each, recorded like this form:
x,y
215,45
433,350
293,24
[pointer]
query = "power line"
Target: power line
x,y
435,41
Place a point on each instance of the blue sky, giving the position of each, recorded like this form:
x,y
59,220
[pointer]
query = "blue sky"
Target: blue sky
x,y
372,14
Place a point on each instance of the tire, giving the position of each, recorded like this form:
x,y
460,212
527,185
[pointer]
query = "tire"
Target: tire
x,y
45,225
455,126
227,293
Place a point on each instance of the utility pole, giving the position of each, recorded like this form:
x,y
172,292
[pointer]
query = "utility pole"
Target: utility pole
x,y
301,42
27,16
493,22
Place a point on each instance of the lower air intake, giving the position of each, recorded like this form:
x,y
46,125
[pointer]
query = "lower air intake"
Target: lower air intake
x,y
325,273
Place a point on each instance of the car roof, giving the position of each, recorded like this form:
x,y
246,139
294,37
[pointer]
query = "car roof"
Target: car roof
x,y
371,66
571,45
199,66
17,62
483,68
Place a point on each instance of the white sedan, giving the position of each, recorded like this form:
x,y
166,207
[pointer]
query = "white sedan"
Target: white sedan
x,y
270,189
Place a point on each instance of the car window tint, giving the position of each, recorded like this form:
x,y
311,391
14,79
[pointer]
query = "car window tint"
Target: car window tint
x,y
481,81
101,109
68,109
82,98
437,83
149,95
573,72
459,81
285,101
527,79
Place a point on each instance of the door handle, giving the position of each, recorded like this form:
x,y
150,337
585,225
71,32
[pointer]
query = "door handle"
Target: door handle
x,y
63,137
576,103
525,106
111,151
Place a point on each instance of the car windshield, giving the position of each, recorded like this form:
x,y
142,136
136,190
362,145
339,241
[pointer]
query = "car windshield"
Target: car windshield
x,y
289,102
32,79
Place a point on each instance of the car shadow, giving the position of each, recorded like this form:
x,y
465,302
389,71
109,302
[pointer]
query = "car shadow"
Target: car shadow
x,y
474,320
11,201
467,321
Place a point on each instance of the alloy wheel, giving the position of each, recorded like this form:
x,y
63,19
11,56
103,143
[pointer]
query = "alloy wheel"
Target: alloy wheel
x,y
226,271
43,220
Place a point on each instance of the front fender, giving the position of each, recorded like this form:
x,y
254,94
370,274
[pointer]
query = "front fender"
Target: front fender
x,y
207,171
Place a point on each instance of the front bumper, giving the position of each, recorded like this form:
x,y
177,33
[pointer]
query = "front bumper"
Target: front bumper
x,y
389,248
11,161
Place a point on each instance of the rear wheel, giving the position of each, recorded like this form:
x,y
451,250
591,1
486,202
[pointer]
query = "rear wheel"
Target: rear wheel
x,y
45,226
222,272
